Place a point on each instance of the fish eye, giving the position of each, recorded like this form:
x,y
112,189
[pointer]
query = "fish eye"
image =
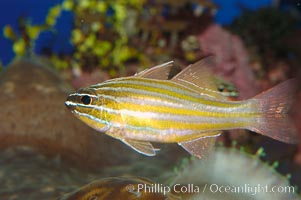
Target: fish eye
x,y
86,99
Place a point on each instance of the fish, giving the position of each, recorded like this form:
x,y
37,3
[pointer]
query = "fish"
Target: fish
x,y
186,109
125,188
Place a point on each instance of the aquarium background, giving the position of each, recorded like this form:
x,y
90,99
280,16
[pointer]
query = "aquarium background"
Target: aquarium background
x,y
50,48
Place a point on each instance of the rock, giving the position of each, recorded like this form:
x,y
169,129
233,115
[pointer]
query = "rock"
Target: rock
x,y
28,174
297,118
33,114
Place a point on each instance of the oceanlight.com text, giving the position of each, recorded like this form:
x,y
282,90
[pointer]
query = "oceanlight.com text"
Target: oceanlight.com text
x,y
249,189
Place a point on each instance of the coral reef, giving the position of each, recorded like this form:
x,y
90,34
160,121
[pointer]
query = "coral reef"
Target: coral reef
x,y
110,34
98,37
265,31
232,59
99,34
46,152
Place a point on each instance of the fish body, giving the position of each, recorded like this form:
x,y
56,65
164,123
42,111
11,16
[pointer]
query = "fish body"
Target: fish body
x,y
161,111
187,109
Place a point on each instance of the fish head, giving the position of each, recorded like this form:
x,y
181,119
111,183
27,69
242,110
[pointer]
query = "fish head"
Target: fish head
x,y
89,106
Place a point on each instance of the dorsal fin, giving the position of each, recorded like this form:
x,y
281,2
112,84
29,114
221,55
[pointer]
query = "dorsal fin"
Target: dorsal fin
x,y
160,72
199,77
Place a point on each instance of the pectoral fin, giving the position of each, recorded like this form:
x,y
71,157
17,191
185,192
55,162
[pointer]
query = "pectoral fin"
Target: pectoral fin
x,y
142,147
200,147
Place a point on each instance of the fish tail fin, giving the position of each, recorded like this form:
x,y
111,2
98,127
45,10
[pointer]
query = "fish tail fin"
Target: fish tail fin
x,y
273,105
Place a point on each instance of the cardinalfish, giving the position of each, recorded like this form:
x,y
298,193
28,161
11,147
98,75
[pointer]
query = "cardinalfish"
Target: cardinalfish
x,y
187,109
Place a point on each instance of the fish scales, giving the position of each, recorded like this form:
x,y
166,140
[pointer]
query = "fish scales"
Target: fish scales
x,y
160,107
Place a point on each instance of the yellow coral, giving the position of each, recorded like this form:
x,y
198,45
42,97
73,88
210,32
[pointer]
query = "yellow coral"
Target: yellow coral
x,y
120,11
53,13
82,49
19,47
101,7
77,36
68,5
90,41
101,48
9,33
105,62
77,55
96,26
34,31
59,63
84,3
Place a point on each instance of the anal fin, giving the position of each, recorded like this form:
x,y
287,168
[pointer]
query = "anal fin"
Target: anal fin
x,y
145,148
201,147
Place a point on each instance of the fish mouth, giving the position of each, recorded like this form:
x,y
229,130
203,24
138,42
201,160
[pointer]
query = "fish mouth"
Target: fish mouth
x,y
69,103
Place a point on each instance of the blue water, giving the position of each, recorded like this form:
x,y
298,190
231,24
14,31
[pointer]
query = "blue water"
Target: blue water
x,y
36,10
11,10
231,9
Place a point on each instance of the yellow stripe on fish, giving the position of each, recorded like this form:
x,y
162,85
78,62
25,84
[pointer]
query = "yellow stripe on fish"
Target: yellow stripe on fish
x,y
187,109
